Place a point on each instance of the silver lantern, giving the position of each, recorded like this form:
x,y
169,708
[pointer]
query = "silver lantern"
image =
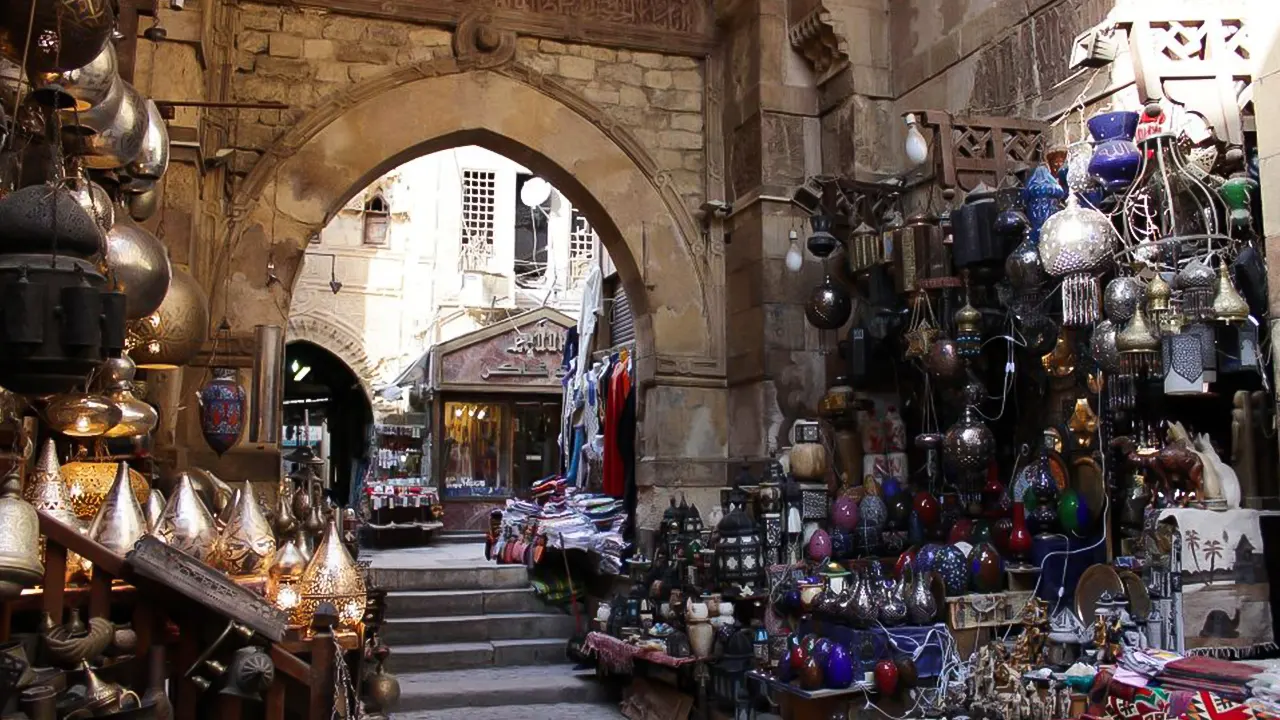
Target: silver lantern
x,y
1076,244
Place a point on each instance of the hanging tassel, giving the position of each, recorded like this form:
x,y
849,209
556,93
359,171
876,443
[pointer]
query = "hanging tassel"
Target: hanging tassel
x,y
1081,300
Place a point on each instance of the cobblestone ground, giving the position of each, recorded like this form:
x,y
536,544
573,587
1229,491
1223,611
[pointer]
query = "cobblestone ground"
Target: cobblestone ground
x,y
531,712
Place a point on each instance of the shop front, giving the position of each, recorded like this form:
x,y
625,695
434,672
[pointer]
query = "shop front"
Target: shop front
x,y
497,405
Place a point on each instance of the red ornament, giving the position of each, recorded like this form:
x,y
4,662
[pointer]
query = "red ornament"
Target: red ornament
x,y
799,656
1019,538
927,508
960,531
886,677
907,558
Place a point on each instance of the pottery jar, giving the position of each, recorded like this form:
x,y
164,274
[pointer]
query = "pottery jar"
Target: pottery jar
x,y
839,669
701,635
811,674
986,569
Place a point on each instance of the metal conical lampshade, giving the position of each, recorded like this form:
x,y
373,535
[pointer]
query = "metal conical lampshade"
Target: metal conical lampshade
x,y
246,545
154,509
46,491
186,523
332,576
285,577
1228,305
119,521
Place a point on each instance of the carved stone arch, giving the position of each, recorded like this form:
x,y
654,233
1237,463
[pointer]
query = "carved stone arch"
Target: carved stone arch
x,y
358,134
342,342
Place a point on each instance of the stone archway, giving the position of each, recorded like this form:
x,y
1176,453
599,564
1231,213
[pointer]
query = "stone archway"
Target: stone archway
x,y
662,256
340,341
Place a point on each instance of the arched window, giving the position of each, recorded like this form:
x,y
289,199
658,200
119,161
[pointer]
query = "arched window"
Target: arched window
x,y
376,214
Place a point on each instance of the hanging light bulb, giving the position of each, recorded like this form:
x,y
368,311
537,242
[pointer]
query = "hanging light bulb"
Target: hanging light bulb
x,y
917,148
794,258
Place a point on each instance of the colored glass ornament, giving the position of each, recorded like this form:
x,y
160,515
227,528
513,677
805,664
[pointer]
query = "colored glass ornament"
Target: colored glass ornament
x,y
1019,536
1116,158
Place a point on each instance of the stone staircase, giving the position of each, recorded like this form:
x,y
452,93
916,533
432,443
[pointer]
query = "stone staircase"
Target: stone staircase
x,y
478,637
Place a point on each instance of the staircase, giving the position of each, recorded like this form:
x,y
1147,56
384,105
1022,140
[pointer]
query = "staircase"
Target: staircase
x,y
476,640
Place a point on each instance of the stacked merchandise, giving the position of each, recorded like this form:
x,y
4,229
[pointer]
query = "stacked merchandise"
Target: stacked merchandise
x,y
580,521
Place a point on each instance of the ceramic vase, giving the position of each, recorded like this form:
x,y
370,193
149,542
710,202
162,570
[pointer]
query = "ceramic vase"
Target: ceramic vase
x,y
886,677
841,544
783,670
819,546
927,508
899,507
1019,536
811,674
222,405
1116,158
822,650
1043,195
954,569
1073,512
844,513
986,569
701,635
927,558
839,669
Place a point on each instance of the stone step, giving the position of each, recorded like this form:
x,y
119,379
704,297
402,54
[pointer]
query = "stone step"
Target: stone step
x,y
476,628
497,687
442,603
458,537
462,656
559,711
486,577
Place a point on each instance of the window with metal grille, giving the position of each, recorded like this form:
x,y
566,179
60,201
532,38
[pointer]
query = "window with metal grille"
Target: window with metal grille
x,y
582,246
376,214
479,191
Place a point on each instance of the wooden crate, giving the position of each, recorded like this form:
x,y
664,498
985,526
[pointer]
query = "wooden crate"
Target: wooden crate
x,y
974,611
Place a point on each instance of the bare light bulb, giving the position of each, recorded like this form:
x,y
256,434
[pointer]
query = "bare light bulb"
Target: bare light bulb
x,y
794,257
917,149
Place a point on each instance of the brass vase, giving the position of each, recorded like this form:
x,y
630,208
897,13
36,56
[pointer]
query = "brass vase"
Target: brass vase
x,y
186,524
20,565
246,545
119,522
285,522
383,691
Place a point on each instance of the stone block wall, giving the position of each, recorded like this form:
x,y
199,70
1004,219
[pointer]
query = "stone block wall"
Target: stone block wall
x,y
304,56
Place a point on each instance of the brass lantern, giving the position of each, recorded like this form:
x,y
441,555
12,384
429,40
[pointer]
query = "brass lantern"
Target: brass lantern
x,y
246,545
136,416
173,334
88,484
331,576
81,415
186,523
284,578
20,564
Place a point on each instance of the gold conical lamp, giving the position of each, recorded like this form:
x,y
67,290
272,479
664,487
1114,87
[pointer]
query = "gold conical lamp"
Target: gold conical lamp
x,y
285,577
186,524
88,484
1228,305
246,545
332,576
120,521
154,509
20,565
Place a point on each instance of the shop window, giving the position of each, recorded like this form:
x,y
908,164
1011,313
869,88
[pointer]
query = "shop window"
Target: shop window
x,y
479,193
376,215
532,208
582,247
475,456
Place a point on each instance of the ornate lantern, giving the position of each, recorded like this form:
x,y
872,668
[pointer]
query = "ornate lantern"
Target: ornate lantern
x,y
1184,371
1195,282
331,576
1228,305
738,562
920,255
81,415
246,545
137,417
186,523
968,331
976,246
284,579
119,521
1138,344
222,405
173,334
88,484
20,564
866,248
1076,245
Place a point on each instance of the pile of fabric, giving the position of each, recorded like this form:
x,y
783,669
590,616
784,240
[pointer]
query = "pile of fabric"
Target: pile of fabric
x,y
578,521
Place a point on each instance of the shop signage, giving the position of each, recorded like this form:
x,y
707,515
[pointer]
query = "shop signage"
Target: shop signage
x,y
529,355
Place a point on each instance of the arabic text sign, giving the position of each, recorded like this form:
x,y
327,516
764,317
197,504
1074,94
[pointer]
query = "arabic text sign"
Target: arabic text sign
x,y
527,356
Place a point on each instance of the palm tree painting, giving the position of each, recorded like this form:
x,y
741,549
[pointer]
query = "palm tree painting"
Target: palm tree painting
x,y
1192,541
1213,551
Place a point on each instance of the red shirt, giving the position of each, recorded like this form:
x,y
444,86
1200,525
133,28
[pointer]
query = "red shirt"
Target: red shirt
x,y
614,475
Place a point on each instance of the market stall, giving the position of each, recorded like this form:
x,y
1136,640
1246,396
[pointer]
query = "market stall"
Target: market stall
x,y
496,403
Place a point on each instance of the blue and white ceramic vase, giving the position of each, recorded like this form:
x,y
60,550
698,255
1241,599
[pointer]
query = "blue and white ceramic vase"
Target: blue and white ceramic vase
x,y
222,404
1116,157
1043,196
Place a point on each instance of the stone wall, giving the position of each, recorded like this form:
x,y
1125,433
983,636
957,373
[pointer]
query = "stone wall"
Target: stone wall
x,y
303,56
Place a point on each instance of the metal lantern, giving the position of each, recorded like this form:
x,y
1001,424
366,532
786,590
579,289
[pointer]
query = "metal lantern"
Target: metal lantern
x,y
1076,245
55,34
186,523
738,561
284,578
1138,344
968,444
1184,371
222,410
920,256
1122,297
836,577
1195,283
1228,305
865,250
331,576
138,265
20,564
137,417
119,522
246,546
829,306
1103,348
968,322
976,246
173,334
822,243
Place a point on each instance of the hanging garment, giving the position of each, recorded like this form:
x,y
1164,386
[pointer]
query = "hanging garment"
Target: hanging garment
x,y
619,386
627,454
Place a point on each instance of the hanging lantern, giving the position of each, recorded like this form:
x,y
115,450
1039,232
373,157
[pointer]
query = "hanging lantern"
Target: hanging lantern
x,y
173,334
821,243
19,543
1102,346
1159,301
1228,305
1138,345
186,524
968,445
1043,197
284,578
738,560
331,576
46,490
138,264
222,402
1195,285
154,509
88,484
1076,245
81,414
829,306
119,522
1122,297
1184,371
866,248
968,331
136,416
975,245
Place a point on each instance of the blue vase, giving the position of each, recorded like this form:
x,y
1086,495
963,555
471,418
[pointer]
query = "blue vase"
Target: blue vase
x,y
1116,157
839,669
915,528
821,650
222,405
1043,196
953,566
783,671
841,544
927,558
